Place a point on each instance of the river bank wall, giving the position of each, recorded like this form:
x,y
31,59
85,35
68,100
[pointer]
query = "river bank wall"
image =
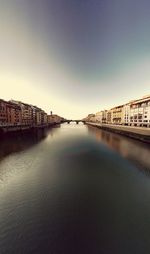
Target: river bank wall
x,y
139,133
4,130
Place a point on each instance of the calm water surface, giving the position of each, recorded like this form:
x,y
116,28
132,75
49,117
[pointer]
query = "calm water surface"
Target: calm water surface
x,y
74,190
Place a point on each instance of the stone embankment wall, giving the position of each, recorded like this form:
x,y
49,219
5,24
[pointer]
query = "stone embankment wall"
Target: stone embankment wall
x,y
23,128
140,133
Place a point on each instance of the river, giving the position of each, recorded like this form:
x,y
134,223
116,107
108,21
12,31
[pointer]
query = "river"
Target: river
x,y
74,189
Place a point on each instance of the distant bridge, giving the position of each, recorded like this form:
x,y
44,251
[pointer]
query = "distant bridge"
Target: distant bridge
x,y
76,121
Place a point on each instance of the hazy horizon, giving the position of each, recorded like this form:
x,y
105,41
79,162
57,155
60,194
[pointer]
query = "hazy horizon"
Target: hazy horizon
x,y
74,57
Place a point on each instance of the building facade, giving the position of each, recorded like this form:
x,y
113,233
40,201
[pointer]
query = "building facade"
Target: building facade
x,y
14,115
19,113
26,112
98,117
134,113
109,117
54,119
104,116
45,119
3,112
117,114
126,114
140,112
101,116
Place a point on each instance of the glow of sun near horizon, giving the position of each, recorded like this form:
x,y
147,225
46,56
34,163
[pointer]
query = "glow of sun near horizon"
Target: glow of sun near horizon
x,y
74,57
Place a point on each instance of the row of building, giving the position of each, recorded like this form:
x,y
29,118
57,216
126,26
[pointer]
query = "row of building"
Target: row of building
x,y
19,113
133,113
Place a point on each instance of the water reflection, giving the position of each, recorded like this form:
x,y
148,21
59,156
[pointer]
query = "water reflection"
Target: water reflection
x,y
63,192
18,142
135,151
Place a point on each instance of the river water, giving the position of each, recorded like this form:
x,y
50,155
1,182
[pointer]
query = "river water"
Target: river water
x,y
73,190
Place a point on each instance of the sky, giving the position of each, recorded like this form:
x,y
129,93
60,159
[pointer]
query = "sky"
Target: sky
x,y
74,57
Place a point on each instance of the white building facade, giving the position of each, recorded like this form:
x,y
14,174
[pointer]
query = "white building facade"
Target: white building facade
x,y
126,114
140,112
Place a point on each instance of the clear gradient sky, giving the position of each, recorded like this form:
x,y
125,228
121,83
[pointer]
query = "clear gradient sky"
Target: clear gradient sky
x,y
74,57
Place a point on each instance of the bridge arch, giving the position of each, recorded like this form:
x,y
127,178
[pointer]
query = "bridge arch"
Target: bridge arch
x,y
76,121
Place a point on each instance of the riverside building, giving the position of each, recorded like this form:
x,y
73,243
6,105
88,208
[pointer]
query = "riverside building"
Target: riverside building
x,y
14,116
133,113
26,112
117,114
109,116
14,113
52,118
101,116
3,112
140,112
126,114
98,117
